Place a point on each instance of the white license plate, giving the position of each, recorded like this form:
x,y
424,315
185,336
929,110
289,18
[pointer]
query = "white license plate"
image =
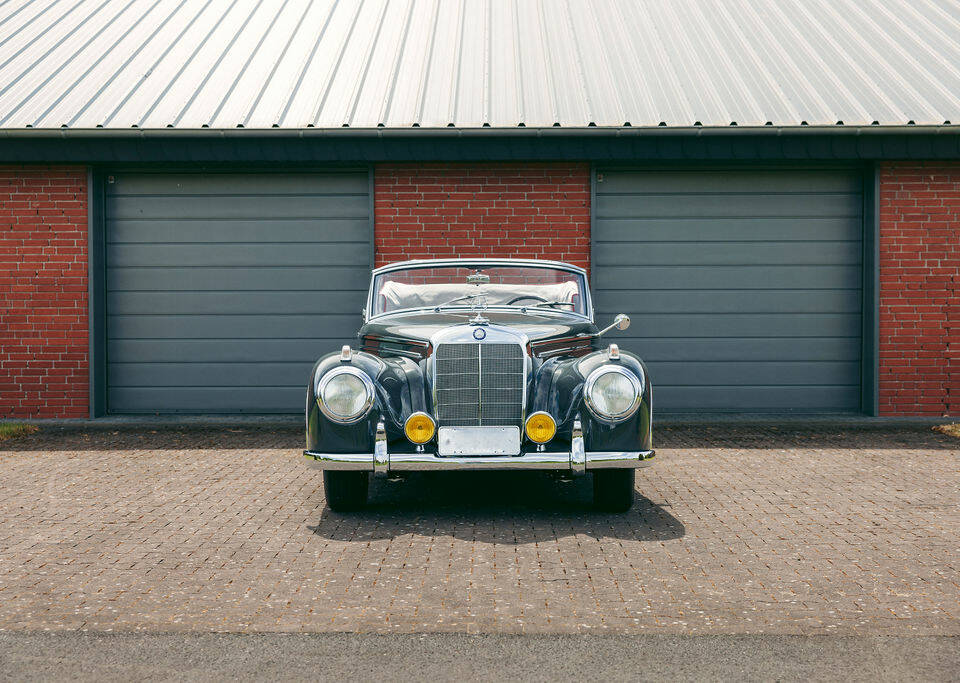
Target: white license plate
x,y
479,441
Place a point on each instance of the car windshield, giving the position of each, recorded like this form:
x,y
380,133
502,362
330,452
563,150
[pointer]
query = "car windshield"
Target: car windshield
x,y
478,286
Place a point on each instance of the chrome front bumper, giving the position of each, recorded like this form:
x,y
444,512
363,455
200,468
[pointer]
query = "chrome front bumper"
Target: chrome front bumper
x,y
576,461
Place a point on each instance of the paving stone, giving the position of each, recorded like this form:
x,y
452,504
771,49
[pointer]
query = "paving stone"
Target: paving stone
x,y
737,529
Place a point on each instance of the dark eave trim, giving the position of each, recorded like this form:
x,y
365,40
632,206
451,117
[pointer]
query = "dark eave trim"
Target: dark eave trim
x,y
353,145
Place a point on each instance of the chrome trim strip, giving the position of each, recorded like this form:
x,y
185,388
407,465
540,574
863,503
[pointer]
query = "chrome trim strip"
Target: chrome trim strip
x,y
600,460
403,462
421,263
436,361
582,349
578,458
416,462
339,461
381,458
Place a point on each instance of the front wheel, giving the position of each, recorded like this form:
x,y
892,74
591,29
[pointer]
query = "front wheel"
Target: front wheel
x,y
613,489
345,490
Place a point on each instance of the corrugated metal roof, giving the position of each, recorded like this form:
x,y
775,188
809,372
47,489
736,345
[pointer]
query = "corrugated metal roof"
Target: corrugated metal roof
x,y
473,63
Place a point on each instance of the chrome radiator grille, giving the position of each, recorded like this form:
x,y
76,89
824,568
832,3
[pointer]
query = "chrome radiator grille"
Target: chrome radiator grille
x,y
479,384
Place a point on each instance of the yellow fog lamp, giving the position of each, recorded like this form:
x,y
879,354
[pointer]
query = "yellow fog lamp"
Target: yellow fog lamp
x,y
419,428
540,427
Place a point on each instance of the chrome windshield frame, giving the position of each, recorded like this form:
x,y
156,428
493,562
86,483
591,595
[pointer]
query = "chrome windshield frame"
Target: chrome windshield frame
x,y
461,262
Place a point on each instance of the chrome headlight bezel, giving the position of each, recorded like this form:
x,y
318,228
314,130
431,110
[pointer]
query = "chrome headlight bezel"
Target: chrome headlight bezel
x,y
591,382
367,403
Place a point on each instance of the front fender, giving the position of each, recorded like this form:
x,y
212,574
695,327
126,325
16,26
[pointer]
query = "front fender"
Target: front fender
x,y
398,391
558,390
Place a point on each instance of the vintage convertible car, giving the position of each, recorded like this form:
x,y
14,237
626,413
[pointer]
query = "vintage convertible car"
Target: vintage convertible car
x,y
479,364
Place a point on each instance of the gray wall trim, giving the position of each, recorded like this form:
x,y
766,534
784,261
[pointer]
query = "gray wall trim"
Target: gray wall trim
x,y
371,186
91,274
870,398
593,231
96,293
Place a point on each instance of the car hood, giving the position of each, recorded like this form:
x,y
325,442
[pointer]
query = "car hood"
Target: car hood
x,y
421,326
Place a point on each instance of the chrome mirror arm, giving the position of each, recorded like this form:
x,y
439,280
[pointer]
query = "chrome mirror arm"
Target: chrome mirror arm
x,y
621,322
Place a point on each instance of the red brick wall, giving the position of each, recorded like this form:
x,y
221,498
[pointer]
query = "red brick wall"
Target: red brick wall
x,y
518,210
436,210
43,282
919,289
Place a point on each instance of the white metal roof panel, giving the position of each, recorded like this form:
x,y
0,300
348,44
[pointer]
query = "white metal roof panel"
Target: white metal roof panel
x,y
475,63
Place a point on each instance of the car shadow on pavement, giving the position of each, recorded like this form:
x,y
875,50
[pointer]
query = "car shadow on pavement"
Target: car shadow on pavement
x,y
494,507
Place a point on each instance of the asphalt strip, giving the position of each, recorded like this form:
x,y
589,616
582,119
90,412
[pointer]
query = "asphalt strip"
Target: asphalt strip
x,y
222,657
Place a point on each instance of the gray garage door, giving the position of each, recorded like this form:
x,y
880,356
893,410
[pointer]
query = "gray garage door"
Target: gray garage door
x,y
744,286
222,289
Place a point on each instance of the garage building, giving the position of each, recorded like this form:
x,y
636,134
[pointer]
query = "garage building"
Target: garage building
x,y
192,195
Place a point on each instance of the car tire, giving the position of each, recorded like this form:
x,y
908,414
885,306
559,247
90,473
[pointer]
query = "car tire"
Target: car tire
x,y
613,490
345,490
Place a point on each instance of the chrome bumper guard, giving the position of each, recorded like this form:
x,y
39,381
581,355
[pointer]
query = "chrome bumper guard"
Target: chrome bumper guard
x,y
576,461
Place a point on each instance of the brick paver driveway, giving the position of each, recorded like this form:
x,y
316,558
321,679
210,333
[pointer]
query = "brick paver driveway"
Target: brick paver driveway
x,y
737,529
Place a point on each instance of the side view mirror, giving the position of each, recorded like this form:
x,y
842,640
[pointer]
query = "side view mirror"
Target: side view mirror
x,y
621,322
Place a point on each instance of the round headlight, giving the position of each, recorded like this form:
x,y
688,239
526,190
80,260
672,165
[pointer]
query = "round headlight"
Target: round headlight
x,y
612,392
345,395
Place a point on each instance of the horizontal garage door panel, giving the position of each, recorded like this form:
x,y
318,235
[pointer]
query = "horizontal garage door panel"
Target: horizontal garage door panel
x,y
753,373
785,349
239,206
734,205
217,350
744,286
732,181
726,277
742,229
292,278
251,303
244,184
735,301
809,399
207,374
232,255
239,231
722,253
209,399
745,325
232,326
223,289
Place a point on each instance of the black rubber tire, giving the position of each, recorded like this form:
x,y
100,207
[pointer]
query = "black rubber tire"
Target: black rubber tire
x,y
345,490
613,489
